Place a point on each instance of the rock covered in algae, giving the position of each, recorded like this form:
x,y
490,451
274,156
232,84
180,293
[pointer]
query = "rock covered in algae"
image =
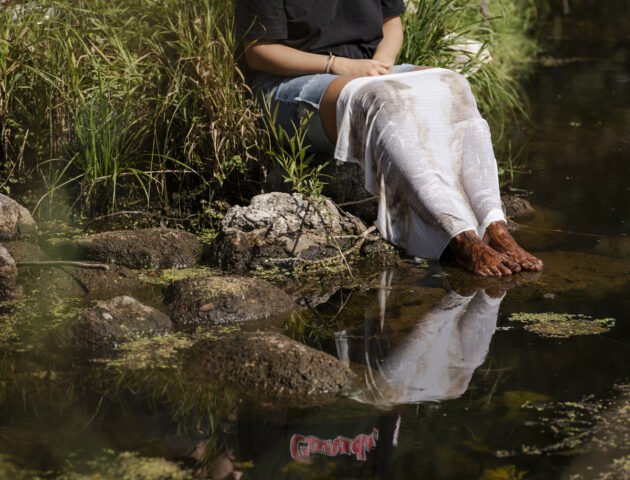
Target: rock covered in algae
x,y
69,282
117,320
217,300
562,325
269,365
146,248
15,220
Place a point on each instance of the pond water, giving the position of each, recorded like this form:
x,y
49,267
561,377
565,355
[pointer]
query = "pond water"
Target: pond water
x,y
454,383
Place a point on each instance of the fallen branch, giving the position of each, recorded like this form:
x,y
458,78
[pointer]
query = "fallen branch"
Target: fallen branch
x,y
342,255
64,263
141,213
357,202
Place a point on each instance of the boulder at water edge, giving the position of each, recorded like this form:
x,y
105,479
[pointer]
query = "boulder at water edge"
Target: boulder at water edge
x,y
8,274
270,366
279,226
219,300
15,220
147,248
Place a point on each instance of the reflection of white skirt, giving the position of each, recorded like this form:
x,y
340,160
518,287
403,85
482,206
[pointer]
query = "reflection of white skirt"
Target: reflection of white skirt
x,y
435,361
426,153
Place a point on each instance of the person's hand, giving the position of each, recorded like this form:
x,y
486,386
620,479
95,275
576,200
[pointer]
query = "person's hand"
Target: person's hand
x,y
361,68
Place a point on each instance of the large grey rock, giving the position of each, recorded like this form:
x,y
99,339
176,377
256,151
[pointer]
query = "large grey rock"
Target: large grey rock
x,y
147,248
117,320
8,274
217,299
15,220
277,226
270,366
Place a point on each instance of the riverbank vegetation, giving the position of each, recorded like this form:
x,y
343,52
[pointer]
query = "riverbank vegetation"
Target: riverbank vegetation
x,y
107,105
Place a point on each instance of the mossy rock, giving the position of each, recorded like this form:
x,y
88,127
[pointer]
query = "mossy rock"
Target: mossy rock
x,y
220,300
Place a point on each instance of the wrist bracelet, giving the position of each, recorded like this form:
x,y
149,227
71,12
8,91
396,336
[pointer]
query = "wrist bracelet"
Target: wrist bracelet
x,y
329,62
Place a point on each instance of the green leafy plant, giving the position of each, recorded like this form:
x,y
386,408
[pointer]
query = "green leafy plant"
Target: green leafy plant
x,y
291,153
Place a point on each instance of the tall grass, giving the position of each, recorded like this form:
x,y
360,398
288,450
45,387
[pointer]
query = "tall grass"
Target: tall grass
x,y
119,100
132,93
440,32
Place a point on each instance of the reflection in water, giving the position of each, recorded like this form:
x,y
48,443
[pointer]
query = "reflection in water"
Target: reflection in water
x,y
435,361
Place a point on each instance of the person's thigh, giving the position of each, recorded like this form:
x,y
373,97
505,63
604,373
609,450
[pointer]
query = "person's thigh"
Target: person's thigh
x,y
328,106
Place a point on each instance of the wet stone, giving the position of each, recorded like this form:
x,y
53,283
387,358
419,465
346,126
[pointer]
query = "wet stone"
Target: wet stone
x,y
147,248
278,226
117,320
25,252
271,365
8,274
15,220
219,300
515,207
70,282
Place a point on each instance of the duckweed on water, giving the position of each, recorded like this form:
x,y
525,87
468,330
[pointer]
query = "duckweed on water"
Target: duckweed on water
x,y
125,466
562,325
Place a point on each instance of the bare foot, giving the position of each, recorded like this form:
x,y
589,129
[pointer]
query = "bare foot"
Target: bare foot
x,y
498,237
476,256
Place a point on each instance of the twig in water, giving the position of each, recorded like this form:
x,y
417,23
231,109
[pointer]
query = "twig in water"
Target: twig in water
x,y
343,255
64,263
138,212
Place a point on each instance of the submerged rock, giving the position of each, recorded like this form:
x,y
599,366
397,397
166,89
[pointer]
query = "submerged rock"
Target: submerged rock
x,y
278,226
270,366
515,207
70,282
8,274
117,320
216,299
15,220
147,248
24,251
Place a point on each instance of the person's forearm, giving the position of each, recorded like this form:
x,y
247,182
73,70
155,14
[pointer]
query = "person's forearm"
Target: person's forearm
x,y
288,62
282,60
389,48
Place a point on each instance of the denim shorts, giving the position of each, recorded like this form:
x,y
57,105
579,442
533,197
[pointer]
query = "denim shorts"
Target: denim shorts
x,y
296,97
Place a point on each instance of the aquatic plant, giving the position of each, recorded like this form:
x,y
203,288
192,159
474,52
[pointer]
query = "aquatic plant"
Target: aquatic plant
x,y
562,325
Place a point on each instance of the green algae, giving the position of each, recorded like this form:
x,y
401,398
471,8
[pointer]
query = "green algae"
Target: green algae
x,y
124,466
169,275
562,325
161,352
508,472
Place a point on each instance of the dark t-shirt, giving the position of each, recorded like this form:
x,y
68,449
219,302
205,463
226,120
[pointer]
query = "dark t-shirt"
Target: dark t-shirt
x,y
347,28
